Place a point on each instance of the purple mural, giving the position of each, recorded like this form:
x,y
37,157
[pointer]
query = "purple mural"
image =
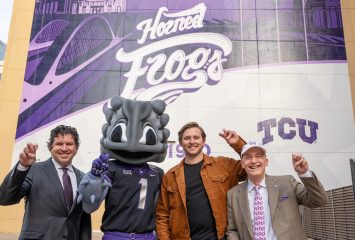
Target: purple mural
x,y
83,52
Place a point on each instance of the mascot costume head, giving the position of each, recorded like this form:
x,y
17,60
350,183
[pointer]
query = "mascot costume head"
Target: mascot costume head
x,y
134,132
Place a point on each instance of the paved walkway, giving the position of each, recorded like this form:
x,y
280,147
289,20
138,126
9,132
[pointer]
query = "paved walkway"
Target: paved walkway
x,y
8,236
13,236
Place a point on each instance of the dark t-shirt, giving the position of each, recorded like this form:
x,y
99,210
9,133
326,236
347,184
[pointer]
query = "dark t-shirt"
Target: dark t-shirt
x,y
199,211
130,203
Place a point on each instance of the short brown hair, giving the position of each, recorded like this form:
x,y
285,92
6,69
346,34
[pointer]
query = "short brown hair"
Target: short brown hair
x,y
191,125
63,130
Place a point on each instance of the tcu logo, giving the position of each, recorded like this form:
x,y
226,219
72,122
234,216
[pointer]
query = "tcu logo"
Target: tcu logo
x,y
287,129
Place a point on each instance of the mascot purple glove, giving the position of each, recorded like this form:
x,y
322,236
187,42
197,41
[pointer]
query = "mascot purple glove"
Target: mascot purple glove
x,y
99,166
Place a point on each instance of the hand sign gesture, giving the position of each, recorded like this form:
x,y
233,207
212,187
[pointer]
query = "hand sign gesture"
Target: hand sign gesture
x,y
300,164
230,136
100,165
28,155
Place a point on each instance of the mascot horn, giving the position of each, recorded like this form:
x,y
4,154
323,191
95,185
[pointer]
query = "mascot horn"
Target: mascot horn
x,y
134,135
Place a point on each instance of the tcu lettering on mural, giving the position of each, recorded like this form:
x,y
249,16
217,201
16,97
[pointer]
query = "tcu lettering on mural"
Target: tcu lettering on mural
x,y
287,129
170,75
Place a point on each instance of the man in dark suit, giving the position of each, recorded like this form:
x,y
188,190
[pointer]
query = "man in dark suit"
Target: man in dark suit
x,y
267,207
49,189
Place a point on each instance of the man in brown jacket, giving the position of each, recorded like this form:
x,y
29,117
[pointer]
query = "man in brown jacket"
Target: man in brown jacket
x,y
192,201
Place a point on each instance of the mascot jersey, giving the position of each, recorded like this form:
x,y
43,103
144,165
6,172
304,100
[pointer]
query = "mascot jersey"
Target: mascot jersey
x,y
131,199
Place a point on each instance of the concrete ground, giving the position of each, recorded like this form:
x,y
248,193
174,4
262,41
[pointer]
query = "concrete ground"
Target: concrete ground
x,y
14,236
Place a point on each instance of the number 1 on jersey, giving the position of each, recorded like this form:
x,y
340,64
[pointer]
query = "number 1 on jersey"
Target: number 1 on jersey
x,y
143,193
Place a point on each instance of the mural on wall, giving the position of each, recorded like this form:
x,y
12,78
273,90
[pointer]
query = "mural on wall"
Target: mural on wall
x,y
279,64
84,52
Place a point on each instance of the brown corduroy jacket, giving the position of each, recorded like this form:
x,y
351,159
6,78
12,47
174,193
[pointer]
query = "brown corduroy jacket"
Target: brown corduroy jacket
x,y
218,174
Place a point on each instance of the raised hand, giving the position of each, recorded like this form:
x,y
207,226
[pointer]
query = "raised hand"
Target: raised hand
x,y
230,136
100,165
95,184
28,155
299,163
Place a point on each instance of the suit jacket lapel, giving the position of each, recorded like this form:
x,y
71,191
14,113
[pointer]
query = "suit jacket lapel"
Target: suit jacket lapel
x,y
273,189
78,176
52,175
242,196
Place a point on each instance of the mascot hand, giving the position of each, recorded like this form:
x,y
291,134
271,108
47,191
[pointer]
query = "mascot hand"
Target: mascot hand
x,y
92,191
100,166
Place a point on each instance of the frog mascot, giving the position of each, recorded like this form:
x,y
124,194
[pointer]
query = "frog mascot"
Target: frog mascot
x,y
134,135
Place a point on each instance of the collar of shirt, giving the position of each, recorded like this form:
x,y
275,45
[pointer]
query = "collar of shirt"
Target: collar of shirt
x,y
251,185
57,166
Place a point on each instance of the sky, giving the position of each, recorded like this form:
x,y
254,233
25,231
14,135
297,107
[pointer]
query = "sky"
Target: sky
x,y
5,17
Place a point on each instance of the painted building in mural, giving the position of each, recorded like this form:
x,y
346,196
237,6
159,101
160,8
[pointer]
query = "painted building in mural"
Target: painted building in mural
x,y
96,7
2,50
275,71
2,56
80,6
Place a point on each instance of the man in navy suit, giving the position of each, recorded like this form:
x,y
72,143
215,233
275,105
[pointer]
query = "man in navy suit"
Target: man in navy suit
x,y
49,189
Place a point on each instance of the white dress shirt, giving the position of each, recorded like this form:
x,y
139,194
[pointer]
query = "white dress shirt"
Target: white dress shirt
x,y
270,235
71,174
